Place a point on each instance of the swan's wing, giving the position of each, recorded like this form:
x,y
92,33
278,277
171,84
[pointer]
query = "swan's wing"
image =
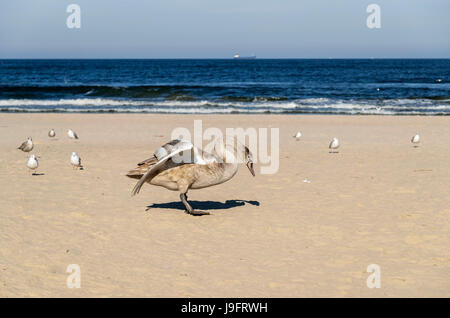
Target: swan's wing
x,y
164,153
197,157
142,168
149,161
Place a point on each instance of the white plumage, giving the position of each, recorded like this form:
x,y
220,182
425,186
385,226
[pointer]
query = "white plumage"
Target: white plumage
x,y
52,133
415,140
32,162
298,135
72,134
334,144
75,160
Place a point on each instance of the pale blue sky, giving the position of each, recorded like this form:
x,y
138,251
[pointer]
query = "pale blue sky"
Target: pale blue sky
x,y
219,28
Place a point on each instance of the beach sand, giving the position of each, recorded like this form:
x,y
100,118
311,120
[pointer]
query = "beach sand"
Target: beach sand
x,y
378,201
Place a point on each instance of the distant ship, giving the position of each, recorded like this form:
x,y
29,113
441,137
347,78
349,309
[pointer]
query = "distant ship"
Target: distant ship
x,y
238,57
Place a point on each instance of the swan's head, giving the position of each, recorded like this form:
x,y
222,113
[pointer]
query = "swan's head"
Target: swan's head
x,y
249,160
74,154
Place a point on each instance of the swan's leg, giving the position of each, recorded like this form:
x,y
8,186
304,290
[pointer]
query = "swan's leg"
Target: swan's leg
x,y
188,207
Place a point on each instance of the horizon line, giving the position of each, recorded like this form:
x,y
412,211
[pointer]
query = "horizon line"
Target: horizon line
x,y
223,58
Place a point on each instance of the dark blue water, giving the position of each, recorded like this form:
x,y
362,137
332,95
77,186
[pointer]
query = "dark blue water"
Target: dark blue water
x,y
391,87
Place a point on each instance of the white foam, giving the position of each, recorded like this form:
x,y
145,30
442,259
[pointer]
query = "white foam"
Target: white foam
x,y
310,105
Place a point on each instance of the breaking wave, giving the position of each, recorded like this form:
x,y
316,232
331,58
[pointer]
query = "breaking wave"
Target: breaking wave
x,y
220,106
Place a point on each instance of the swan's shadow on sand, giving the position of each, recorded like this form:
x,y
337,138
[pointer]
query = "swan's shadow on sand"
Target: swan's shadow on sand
x,y
202,205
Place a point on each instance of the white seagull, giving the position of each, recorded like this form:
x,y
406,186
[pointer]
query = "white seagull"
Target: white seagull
x,y
75,160
415,140
297,135
334,144
72,134
51,133
27,145
32,163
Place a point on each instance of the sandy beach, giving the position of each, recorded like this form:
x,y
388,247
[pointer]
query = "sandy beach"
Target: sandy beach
x,y
378,201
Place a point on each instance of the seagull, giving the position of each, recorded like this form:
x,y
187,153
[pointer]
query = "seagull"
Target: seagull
x,y
297,135
334,144
27,145
75,161
51,133
72,134
32,163
197,169
415,140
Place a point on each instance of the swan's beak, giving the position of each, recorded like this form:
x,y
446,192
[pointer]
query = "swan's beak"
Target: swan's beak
x,y
250,167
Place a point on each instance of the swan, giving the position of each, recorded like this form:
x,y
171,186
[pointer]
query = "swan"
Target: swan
x,y
179,166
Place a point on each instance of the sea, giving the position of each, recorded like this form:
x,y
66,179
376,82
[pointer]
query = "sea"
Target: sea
x,y
227,86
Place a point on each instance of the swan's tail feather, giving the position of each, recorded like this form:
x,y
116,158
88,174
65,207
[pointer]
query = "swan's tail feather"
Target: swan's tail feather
x,y
138,172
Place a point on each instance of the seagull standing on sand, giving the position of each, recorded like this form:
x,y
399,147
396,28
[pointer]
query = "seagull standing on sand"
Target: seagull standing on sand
x,y
72,134
334,144
51,133
27,145
197,169
298,135
75,160
415,140
32,163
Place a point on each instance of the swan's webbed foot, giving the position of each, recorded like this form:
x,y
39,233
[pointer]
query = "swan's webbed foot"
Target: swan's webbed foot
x,y
189,209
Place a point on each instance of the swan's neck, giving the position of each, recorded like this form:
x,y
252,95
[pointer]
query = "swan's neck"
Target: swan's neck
x,y
229,171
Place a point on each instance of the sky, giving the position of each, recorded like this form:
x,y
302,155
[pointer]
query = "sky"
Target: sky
x,y
219,28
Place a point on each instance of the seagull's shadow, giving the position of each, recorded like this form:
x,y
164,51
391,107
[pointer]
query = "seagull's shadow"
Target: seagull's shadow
x,y
202,205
